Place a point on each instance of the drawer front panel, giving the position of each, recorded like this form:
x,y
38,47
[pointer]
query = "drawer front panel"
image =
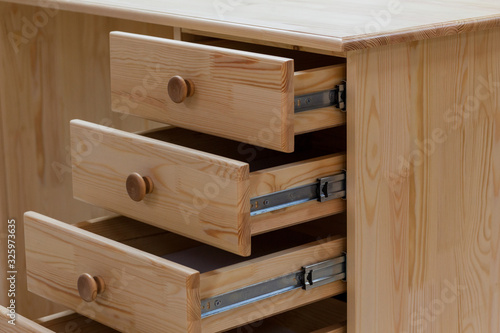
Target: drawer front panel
x,y
237,94
142,292
198,195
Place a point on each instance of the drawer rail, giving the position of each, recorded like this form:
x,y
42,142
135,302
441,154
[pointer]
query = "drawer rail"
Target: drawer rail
x,y
335,97
326,188
308,277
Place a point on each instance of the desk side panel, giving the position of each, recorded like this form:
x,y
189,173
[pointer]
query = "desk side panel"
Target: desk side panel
x,y
423,177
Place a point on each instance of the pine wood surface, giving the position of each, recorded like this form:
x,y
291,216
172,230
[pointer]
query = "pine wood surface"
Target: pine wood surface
x,y
196,194
423,159
145,292
322,24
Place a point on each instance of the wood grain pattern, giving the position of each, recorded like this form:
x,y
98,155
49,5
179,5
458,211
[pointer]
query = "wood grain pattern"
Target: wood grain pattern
x,y
264,268
23,325
423,186
294,215
52,74
329,25
205,196
237,93
318,79
183,200
295,174
270,306
143,293
289,176
146,293
242,96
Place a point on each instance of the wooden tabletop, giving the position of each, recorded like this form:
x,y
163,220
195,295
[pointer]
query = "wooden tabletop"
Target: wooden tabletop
x,y
325,24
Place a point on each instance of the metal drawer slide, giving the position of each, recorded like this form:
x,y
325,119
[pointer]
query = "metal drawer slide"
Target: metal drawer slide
x,y
335,97
326,188
308,277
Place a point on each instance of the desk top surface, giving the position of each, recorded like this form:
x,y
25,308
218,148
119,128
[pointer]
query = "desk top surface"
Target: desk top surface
x,y
326,24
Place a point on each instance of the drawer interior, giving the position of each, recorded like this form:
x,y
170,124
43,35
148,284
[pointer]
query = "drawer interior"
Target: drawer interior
x,y
237,90
307,146
205,258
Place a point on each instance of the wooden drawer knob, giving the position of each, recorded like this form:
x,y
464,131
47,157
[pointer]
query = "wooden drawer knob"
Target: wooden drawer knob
x,y
138,186
89,287
179,89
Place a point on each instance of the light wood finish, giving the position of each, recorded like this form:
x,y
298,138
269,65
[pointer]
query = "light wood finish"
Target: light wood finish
x,y
198,195
143,293
244,96
304,172
263,269
234,277
296,214
146,293
293,175
269,307
23,325
429,228
181,176
329,25
58,323
59,72
237,93
318,79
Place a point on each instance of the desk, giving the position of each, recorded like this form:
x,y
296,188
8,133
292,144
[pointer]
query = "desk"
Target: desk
x,y
423,141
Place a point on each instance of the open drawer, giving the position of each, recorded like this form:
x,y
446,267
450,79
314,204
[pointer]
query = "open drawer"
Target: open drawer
x,y
137,278
202,186
252,97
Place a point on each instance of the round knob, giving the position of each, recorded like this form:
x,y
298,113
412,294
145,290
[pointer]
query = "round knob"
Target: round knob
x,y
138,186
89,287
179,89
